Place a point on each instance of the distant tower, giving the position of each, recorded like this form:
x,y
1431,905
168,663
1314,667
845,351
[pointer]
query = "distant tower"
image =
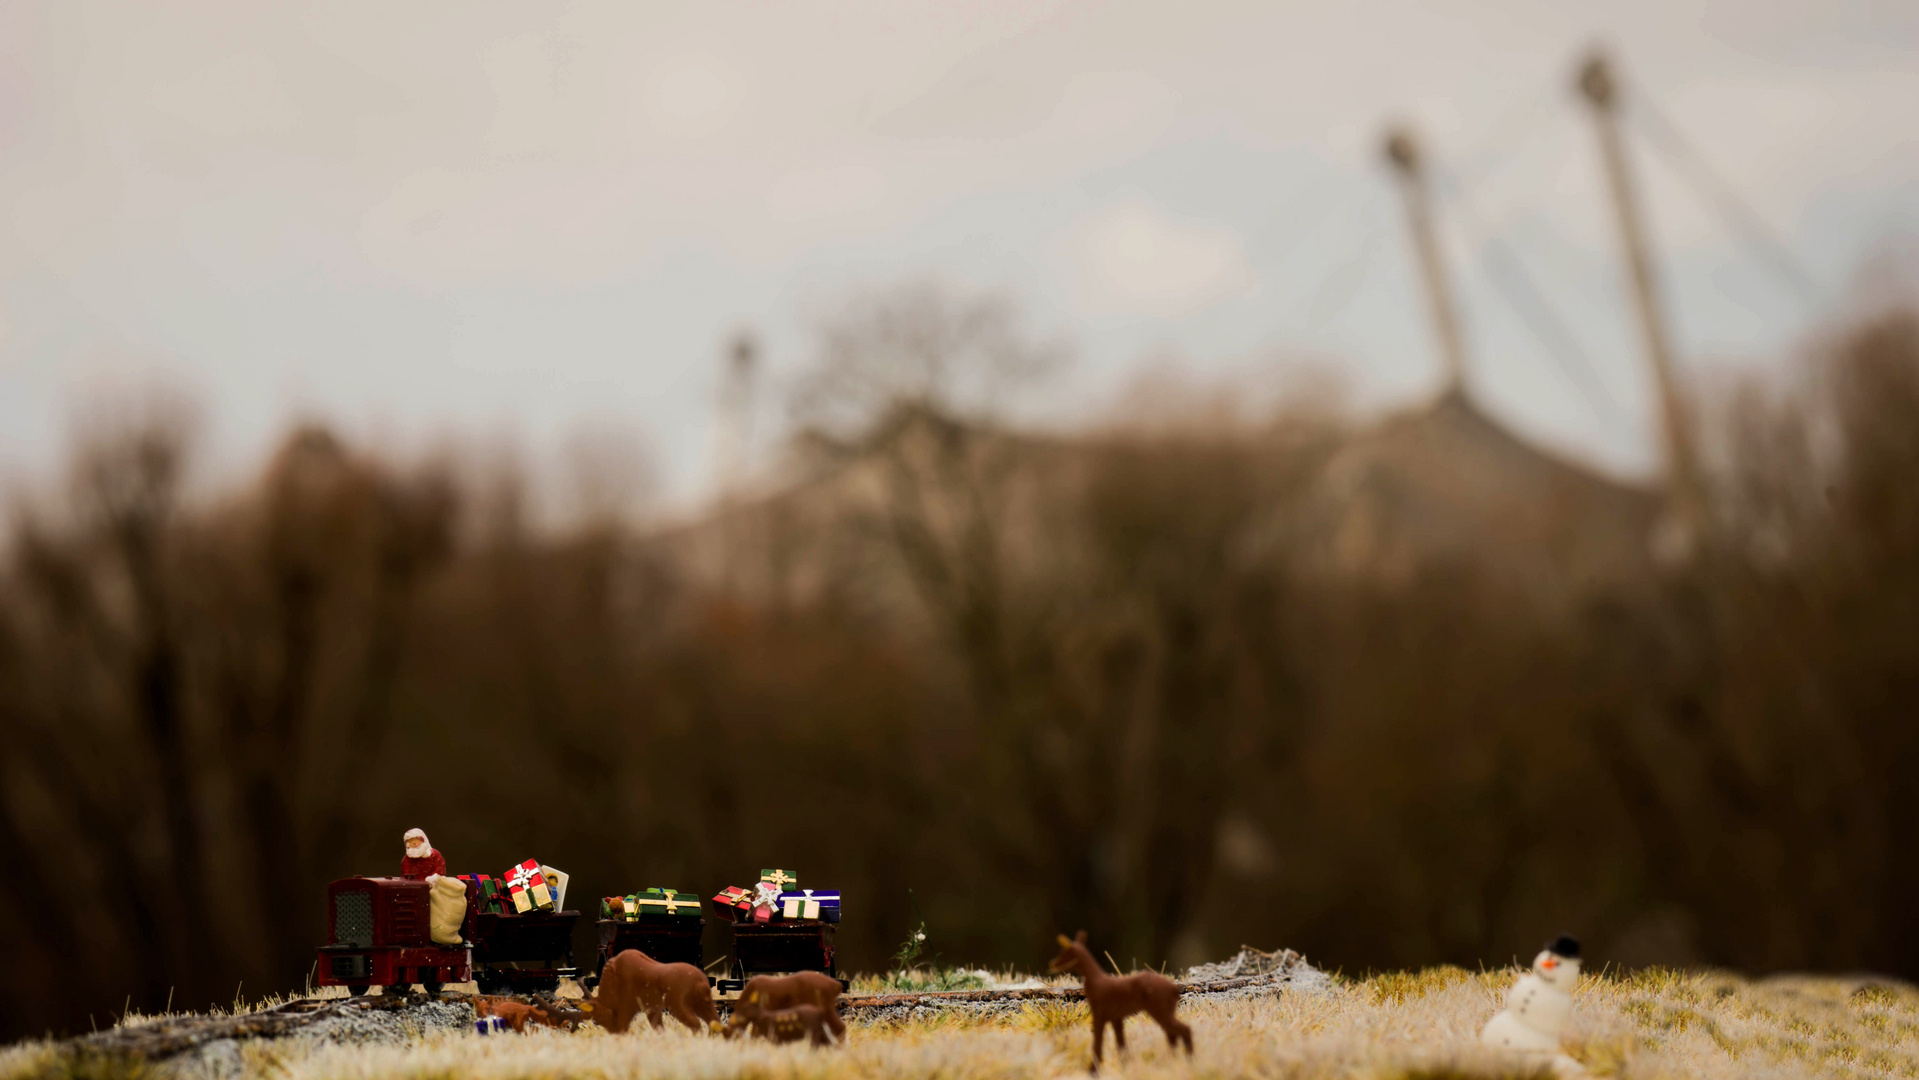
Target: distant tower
x,y
1402,152
734,441
1685,488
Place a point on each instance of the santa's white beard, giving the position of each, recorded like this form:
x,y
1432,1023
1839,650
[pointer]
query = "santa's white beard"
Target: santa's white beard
x,y
421,852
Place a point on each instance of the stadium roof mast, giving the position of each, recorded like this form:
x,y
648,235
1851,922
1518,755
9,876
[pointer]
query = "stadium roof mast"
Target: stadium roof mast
x,y
733,442
1685,486
1402,151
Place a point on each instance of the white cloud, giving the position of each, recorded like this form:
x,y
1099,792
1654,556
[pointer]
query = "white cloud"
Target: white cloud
x,y
231,97
1131,256
167,168
827,193
523,79
692,96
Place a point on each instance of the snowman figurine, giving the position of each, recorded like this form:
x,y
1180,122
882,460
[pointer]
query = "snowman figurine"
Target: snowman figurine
x,y
1538,1004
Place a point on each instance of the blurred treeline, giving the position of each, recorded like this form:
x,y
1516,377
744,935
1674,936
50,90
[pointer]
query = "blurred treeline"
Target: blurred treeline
x,y
1044,682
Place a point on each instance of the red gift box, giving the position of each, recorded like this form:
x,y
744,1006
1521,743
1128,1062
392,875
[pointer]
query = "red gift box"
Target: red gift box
x,y
766,901
526,888
733,900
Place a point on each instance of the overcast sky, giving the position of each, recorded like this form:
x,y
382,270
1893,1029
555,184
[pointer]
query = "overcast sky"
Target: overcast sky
x,y
510,221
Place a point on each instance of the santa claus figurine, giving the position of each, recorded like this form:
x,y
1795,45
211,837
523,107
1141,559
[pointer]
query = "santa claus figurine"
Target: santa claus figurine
x,y
422,863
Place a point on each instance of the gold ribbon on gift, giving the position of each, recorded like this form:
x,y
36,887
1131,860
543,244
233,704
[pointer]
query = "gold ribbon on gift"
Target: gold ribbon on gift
x,y
669,904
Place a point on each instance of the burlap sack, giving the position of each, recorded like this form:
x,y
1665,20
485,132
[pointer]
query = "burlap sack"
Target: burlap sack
x,y
448,910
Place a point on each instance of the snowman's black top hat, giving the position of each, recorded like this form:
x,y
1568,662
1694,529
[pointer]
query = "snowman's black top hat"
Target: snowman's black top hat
x,y
1565,945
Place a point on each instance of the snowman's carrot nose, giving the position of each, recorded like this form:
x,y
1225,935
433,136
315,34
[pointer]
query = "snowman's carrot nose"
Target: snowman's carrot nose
x,y
1549,963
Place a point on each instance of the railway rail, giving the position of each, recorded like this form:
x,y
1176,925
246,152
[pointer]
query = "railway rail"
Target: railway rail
x,y
162,1039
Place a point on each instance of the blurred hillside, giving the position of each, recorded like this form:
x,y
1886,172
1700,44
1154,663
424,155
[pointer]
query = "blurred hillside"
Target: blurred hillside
x,y
1390,692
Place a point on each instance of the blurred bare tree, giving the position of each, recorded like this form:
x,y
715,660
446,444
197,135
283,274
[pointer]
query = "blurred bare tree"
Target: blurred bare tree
x,y
1107,680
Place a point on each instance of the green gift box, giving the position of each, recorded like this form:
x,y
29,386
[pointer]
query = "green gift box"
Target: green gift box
x,y
785,879
632,901
668,904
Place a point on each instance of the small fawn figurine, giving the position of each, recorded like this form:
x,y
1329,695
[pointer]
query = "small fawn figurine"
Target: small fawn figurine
x,y
633,982
556,1012
545,1010
808,1022
779,995
1113,998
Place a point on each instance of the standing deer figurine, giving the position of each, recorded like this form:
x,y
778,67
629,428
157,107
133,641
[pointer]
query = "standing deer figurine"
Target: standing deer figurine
x,y
633,983
1113,998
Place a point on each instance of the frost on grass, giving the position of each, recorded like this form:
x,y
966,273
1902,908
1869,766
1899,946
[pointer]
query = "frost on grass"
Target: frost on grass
x,y
1395,1026
398,1027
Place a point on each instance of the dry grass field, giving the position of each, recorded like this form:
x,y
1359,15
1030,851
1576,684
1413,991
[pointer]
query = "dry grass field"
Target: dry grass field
x,y
1398,1025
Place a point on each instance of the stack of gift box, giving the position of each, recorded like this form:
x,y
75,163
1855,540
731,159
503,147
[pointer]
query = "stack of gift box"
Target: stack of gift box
x,y
488,891
652,905
525,888
778,896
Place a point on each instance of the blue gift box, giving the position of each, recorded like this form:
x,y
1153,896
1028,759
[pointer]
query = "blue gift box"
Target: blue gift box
x,y
828,899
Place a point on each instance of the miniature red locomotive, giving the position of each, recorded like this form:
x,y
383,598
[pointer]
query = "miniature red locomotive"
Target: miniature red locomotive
x,y
377,935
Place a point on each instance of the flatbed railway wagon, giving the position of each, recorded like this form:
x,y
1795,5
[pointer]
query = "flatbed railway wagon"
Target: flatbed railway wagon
x,y
778,947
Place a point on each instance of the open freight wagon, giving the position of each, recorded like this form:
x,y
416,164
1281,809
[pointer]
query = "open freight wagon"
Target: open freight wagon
x,y
778,947
519,954
675,942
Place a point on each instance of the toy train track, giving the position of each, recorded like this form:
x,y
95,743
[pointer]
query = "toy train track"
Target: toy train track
x,y
161,1040
887,1006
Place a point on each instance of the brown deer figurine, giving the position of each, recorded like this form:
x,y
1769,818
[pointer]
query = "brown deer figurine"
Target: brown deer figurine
x,y
1113,998
791,1025
770,995
633,982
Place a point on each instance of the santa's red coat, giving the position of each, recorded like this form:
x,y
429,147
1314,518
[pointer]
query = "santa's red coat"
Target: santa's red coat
x,y
417,869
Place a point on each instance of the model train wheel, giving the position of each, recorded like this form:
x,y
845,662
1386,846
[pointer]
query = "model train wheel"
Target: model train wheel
x,y
487,984
357,989
431,986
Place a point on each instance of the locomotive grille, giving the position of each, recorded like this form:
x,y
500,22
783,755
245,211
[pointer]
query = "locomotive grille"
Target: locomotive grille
x,y
408,912
353,918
